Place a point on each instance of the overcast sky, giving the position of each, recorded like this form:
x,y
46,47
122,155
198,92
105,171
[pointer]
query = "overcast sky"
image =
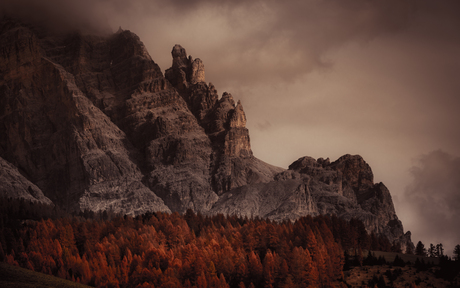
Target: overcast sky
x,y
321,78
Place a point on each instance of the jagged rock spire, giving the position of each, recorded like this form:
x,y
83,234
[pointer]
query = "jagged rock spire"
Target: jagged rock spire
x,y
179,56
238,119
218,117
197,71
185,71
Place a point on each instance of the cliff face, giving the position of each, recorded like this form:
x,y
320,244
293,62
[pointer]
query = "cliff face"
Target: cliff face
x,y
312,187
52,131
90,122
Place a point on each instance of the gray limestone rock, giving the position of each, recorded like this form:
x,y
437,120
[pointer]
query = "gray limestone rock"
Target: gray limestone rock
x,y
311,187
13,184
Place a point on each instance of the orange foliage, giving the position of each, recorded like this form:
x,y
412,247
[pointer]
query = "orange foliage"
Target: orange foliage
x,y
170,250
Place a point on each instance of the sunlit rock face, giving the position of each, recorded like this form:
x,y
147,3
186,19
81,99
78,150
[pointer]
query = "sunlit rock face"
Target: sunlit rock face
x,y
91,122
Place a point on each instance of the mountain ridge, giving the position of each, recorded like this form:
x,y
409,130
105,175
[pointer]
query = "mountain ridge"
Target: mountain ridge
x,y
94,124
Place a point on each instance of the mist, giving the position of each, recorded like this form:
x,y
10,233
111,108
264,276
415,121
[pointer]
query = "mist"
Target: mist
x,y
252,41
433,200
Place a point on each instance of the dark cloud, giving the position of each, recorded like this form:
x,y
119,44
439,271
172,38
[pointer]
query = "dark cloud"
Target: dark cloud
x,y
284,40
259,39
434,199
252,41
84,15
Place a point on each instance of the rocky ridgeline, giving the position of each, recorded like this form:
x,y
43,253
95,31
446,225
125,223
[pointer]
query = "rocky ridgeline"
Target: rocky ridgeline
x,y
90,122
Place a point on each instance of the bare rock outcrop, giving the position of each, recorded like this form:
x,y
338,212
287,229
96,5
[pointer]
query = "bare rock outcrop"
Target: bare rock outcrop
x,y
312,187
233,164
13,184
185,71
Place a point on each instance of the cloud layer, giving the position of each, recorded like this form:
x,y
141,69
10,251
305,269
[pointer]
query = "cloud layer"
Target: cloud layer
x,y
433,199
250,40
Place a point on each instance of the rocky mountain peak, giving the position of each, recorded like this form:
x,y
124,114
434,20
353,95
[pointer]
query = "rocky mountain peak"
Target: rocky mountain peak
x,y
303,164
238,119
355,171
185,71
179,56
227,97
222,120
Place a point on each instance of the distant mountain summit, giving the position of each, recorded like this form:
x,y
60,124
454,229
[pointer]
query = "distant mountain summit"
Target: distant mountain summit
x,y
91,122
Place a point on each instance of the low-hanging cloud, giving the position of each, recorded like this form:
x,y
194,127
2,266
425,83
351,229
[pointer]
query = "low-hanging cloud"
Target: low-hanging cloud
x,y
60,16
434,199
250,40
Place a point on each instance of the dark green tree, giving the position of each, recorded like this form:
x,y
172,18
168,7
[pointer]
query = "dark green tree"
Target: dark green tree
x,y
432,251
420,249
457,253
439,250
399,262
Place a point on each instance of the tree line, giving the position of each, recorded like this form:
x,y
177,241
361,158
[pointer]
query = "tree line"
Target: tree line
x,y
435,251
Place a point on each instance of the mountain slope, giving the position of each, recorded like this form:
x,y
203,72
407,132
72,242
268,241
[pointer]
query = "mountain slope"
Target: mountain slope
x,y
17,277
94,124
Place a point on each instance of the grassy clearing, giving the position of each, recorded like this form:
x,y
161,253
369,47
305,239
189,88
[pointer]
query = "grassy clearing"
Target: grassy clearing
x,y
12,276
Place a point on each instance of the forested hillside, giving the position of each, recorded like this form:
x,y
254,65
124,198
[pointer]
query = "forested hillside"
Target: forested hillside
x,y
173,250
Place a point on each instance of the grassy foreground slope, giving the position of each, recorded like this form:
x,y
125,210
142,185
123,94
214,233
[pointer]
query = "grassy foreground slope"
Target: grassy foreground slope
x,y
17,277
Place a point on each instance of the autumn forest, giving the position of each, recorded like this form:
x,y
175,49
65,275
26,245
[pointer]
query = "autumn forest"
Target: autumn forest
x,y
173,250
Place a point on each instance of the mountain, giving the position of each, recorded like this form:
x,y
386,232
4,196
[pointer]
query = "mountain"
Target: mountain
x,y
90,122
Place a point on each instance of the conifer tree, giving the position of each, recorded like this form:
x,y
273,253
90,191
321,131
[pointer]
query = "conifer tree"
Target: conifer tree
x,y
269,270
255,267
439,250
420,249
457,253
432,250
